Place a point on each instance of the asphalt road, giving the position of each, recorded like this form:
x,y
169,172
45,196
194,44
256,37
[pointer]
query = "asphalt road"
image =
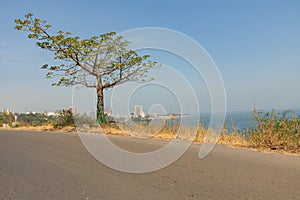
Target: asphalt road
x,y
43,165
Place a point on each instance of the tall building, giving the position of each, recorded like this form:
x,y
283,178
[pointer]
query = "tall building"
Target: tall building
x,y
138,111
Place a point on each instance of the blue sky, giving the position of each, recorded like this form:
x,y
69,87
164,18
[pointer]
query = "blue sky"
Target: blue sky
x,y
255,44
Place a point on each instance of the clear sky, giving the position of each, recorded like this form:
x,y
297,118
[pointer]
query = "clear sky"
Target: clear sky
x,y
255,44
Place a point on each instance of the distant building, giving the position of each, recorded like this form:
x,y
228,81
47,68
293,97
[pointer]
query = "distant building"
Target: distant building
x,y
30,112
48,114
138,111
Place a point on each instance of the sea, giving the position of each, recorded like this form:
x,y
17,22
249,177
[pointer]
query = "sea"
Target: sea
x,y
240,121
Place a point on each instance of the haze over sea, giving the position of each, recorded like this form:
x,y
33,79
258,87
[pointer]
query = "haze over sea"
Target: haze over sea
x,y
240,120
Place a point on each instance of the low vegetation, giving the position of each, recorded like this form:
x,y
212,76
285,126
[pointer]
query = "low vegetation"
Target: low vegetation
x,y
273,131
38,121
270,131
6,118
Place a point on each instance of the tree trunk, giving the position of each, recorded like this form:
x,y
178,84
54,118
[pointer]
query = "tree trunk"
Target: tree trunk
x,y
100,106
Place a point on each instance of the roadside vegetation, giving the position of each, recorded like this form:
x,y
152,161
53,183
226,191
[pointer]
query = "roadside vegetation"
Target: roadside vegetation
x,y
270,131
273,131
38,121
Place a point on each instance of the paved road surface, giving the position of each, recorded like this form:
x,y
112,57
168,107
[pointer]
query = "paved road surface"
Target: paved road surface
x,y
39,165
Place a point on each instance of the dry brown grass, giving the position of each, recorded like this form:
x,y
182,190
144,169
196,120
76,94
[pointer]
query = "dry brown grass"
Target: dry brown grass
x,y
157,131
233,139
225,138
43,128
274,141
266,141
109,129
32,128
273,132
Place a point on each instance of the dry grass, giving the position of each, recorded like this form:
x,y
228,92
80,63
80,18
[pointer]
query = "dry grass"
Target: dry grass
x,y
273,132
274,142
109,129
32,128
268,138
233,139
225,138
43,128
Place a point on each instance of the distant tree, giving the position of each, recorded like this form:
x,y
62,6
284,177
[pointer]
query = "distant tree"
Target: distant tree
x,y
64,118
1,118
7,117
85,120
32,119
100,62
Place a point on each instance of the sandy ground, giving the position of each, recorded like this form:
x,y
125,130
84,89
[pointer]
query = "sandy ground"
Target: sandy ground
x,y
51,165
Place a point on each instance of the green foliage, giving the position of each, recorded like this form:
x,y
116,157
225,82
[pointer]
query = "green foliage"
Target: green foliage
x,y
64,118
102,59
84,121
1,119
276,131
7,118
34,119
99,62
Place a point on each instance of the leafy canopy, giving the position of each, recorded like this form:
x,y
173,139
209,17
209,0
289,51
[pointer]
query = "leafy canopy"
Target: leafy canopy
x,y
101,61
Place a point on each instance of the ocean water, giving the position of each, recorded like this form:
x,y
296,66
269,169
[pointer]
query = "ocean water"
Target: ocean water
x,y
241,121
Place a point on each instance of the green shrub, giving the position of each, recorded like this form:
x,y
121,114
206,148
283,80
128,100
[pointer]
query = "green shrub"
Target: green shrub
x,y
64,118
276,131
32,119
7,117
1,119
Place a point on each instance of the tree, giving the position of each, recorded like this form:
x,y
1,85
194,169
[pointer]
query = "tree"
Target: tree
x,y
33,119
64,118
100,62
1,118
7,117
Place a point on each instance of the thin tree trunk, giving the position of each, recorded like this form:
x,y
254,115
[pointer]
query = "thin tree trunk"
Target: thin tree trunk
x,y
100,106
100,101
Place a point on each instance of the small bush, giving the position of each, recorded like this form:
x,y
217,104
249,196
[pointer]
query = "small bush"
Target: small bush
x,y
64,118
7,118
276,131
1,119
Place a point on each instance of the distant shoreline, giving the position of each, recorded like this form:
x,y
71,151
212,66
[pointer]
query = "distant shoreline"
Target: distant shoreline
x,y
173,116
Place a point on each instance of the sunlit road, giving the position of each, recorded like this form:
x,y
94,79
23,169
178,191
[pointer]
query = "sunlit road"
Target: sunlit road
x,y
39,165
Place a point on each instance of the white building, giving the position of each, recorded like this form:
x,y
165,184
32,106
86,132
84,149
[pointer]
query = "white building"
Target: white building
x,y
48,114
30,112
138,111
